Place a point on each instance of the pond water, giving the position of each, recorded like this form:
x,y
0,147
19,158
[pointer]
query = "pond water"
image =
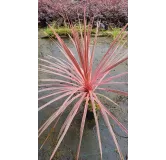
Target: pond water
x,y
89,147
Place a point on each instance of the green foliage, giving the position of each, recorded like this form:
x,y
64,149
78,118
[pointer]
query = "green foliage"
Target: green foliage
x,y
65,31
90,108
115,32
60,31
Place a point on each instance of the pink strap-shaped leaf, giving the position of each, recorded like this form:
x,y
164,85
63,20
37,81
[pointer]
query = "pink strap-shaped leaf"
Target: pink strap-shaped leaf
x,y
109,127
114,77
97,124
50,132
67,51
111,132
110,114
49,95
82,126
55,99
56,80
59,111
114,91
66,121
67,126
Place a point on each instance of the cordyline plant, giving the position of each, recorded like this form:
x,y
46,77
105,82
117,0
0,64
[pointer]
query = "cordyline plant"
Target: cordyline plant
x,y
82,82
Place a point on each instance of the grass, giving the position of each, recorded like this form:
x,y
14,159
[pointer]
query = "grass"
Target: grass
x,y
62,31
65,31
115,32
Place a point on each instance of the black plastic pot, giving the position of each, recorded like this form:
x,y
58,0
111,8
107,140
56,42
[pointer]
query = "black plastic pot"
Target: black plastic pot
x,y
89,115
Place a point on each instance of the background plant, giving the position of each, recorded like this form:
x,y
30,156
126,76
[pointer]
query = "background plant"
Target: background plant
x,y
109,12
